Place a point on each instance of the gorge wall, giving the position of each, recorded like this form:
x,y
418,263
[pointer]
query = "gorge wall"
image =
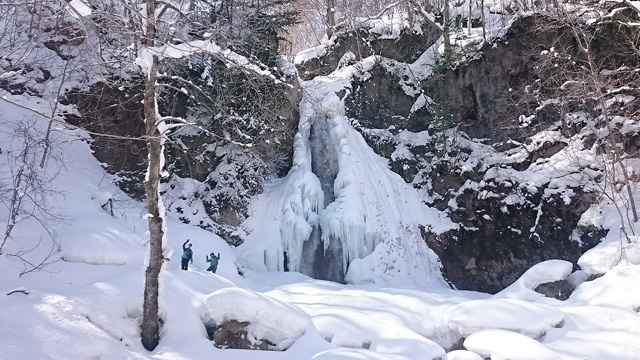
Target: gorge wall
x,y
493,138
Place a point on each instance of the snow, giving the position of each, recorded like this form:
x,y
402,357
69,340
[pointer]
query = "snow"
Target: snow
x,y
463,355
532,320
502,344
308,54
79,8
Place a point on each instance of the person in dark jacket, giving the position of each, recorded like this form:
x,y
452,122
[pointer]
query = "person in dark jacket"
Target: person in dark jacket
x,y
187,255
213,263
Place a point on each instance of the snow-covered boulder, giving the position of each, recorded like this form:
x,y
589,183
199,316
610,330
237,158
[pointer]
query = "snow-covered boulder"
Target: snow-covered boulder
x,y
266,319
545,272
501,344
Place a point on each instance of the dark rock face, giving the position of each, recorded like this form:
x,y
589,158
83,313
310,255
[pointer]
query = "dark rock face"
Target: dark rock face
x,y
560,290
233,335
115,111
362,43
483,95
380,102
497,243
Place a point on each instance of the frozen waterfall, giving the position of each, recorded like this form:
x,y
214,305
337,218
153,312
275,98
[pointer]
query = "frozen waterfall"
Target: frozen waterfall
x,y
340,214
323,258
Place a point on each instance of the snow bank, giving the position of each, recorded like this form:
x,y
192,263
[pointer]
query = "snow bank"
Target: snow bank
x,y
529,319
100,245
49,326
270,319
308,54
501,344
463,355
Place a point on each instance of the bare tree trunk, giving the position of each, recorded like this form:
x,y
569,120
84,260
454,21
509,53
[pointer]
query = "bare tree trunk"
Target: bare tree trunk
x,y
469,18
150,319
16,198
331,17
150,314
47,140
632,202
446,28
411,14
484,21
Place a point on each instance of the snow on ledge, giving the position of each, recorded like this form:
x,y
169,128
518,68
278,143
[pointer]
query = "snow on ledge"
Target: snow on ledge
x,y
269,319
309,54
79,8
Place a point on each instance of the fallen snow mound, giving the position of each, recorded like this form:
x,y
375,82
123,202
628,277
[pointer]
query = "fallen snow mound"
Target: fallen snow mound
x,y
529,319
502,344
278,322
463,355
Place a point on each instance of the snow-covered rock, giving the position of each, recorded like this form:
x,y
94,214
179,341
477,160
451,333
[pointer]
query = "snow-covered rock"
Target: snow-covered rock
x,y
544,272
269,319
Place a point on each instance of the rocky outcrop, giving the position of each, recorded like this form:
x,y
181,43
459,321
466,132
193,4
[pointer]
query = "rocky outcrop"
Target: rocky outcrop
x,y
233,335
114,114
560,290
382,102
497,242
226,173
351,44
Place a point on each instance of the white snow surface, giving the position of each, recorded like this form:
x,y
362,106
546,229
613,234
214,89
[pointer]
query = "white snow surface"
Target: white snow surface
x,y
532,320
507,345
79,8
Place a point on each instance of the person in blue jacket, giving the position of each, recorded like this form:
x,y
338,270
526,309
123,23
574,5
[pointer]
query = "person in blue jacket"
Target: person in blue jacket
x,y
213,263
187,255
